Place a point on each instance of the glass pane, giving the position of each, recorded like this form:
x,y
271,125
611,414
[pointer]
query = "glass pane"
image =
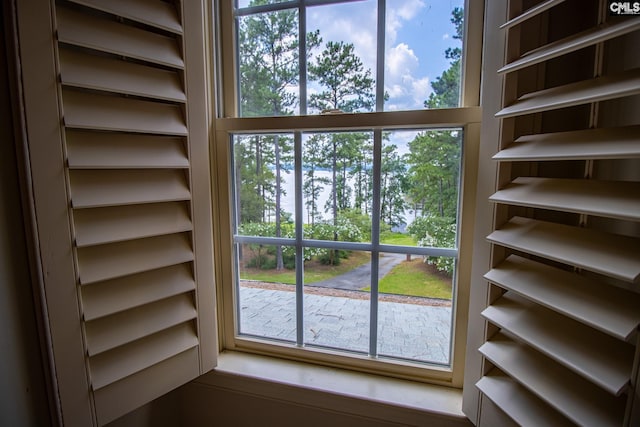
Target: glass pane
x,y
246,3
341,41
337,183
336,305
414,319
266,295
268,61
419,182
423,47
263,179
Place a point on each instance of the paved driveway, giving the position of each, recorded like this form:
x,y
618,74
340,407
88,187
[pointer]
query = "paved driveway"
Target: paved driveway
x,y
360,277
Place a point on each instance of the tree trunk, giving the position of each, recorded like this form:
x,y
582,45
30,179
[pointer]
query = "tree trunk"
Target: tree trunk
x,y
279,260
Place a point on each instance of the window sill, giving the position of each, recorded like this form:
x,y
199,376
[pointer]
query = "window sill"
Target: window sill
x,y
338,390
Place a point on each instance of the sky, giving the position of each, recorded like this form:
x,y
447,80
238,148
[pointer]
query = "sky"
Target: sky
x,y
417,34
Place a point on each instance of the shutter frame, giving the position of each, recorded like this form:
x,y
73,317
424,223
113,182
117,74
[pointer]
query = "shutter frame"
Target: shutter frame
x,y
88,199
564,163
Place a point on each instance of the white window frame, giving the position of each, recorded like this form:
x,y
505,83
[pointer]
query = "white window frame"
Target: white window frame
x,y
467,116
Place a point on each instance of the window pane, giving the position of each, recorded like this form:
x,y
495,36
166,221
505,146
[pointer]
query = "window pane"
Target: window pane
x,y
414,320
264,180
266,296
337,183
268,61
419,192
336,307
246,3
423,47
342,56
421,60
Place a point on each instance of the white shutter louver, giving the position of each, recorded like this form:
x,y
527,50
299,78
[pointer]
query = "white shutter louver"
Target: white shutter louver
x,y
133,137
563,297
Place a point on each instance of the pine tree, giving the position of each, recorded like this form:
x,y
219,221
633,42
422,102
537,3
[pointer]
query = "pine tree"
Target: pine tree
x,y
446,88
347,87
269,68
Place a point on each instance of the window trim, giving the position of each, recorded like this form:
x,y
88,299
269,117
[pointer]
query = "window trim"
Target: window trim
x,y
467,116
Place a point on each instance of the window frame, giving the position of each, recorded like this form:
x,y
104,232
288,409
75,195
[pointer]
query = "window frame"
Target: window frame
x,y
467,117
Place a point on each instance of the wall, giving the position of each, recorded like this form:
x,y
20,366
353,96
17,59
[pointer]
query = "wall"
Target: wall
x,y
23,400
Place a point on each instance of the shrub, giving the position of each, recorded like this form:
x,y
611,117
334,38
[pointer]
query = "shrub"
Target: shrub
x,y
437,232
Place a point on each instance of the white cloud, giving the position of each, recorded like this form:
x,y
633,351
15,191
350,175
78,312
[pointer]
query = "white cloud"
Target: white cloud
x,y
405,89
421,90
401,61
356,23
445,36
398,11
335,24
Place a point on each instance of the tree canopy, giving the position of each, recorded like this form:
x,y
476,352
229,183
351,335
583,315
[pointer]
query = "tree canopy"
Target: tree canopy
x,y
424,179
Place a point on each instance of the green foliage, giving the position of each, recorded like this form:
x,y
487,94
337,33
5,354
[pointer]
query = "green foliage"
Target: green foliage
x,y
394,182
269,61
434,169
347,85
426,178
437,232
446,88
269,66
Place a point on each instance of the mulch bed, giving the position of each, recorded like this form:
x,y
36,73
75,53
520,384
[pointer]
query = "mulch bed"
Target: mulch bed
x,y
310,289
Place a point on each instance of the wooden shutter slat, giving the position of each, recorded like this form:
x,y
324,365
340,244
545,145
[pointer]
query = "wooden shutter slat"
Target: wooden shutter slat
x,y
583,92
84,30
104,262
111,150
113,296
571,44
530,13
113,331
135,390
571,395
114,365
607,308
600,358
90,189
113,224
113,75
611,199
114,113
609,254
600,143
156,13
517,402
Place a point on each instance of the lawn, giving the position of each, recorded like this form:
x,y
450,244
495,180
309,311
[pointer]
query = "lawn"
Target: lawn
x,y
391,238
313,271
416,278
413,278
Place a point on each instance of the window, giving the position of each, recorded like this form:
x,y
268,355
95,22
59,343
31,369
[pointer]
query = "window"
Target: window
x,y
341,156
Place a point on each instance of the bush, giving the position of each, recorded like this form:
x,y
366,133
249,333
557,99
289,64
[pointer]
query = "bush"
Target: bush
x,y
437,232
346,230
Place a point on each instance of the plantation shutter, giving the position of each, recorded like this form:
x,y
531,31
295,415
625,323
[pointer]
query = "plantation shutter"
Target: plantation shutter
x,y
562,301
116,120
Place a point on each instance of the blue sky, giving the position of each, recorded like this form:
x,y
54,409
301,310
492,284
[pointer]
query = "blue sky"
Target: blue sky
x,y
417,34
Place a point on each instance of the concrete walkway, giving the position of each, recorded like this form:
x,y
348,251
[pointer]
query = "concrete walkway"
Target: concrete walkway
x,y
411,331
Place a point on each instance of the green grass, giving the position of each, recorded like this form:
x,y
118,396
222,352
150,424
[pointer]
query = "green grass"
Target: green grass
x,y
313,271
416,278
391,238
